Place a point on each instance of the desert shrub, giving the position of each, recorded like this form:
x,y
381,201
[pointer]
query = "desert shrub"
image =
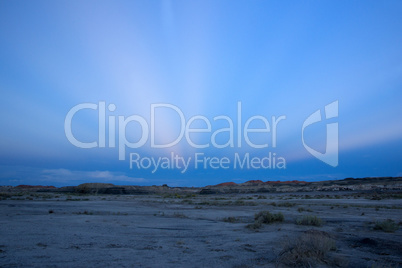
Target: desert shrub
x,y
240,203
308,250
243,203
172,195
261,197
388,226
254,226
84,213
301,209
5,196
267,218
231,219
309,220
279,217
246,198
75,199
179,215
159,213
187,201
286,204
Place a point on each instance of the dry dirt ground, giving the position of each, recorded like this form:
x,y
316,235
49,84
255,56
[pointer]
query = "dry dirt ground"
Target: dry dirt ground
x,y
60,230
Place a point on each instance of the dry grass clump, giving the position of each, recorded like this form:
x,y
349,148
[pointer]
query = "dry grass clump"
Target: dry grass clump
x,y
388,226
309,220
308,250
265,217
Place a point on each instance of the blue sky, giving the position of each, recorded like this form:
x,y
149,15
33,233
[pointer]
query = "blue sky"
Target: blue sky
x,y
277,58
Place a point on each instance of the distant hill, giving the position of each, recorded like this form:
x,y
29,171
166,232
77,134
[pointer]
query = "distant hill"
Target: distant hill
x,y
252,186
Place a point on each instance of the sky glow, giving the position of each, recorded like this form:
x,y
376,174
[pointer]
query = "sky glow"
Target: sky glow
x,y
277,58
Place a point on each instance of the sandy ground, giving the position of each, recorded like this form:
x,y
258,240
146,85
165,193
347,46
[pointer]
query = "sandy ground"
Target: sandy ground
x,y
57,230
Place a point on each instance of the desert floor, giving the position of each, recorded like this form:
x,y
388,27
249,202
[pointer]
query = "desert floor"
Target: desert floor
x,y
61,230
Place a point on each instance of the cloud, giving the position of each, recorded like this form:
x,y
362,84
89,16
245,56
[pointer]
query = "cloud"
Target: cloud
x,y
66,175
15,175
